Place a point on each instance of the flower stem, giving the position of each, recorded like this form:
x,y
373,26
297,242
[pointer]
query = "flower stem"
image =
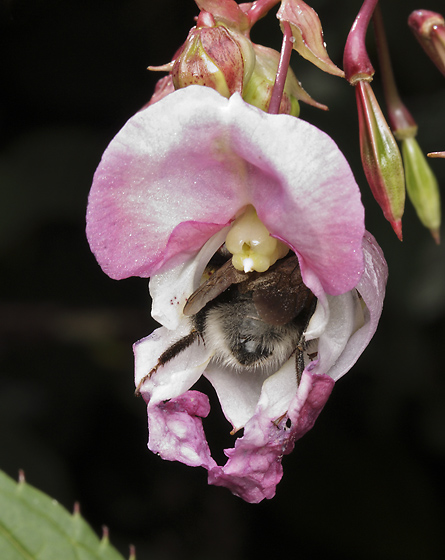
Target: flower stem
x,y
356,62
283,67
400,118
259,9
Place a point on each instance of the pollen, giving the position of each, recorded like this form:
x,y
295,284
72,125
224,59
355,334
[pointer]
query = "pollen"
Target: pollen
x,y
252,246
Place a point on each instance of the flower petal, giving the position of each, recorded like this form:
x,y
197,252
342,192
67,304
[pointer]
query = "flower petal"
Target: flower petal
x,y
178,374
239,393
170,289
254,466
176,432
371,288
180,170
273,410
157,192
345,317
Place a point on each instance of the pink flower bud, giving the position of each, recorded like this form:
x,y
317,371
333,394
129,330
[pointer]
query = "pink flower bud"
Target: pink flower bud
x,y
215,57
356,61
429,29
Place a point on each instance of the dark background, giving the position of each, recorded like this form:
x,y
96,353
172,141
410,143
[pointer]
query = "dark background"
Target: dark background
x,y
368,481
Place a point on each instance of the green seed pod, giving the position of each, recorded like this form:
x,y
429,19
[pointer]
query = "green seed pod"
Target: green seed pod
x,y
422,186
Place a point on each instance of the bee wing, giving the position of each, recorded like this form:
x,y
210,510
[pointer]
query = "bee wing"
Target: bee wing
x,y
220,280
280,294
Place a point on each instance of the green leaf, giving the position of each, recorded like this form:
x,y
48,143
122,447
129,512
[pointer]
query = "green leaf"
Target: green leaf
x,y
35,527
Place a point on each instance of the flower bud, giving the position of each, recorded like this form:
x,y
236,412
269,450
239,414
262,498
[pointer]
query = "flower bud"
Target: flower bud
x,y
216,57
381,159
429,29
356,61
422,186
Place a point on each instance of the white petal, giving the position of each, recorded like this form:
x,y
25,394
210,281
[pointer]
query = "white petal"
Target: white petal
x,y
178,374
319,320
170,290
279,389
344,320
237,392
372,289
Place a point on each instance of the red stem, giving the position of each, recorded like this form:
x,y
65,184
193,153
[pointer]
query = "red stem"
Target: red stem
x,y
283,67
400,118
259,9
356,62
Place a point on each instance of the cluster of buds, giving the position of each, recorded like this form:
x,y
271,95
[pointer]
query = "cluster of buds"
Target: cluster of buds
x,y
429,29
386,170
218,53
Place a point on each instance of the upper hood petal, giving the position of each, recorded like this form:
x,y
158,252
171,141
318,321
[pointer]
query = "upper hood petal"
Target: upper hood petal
x,y
181,169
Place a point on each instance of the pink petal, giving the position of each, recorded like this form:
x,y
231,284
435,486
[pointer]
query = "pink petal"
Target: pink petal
x,y
181,169
254,466
176,432
275,412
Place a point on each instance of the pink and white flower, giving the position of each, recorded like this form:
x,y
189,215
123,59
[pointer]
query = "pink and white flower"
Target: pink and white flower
x,y
162,201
